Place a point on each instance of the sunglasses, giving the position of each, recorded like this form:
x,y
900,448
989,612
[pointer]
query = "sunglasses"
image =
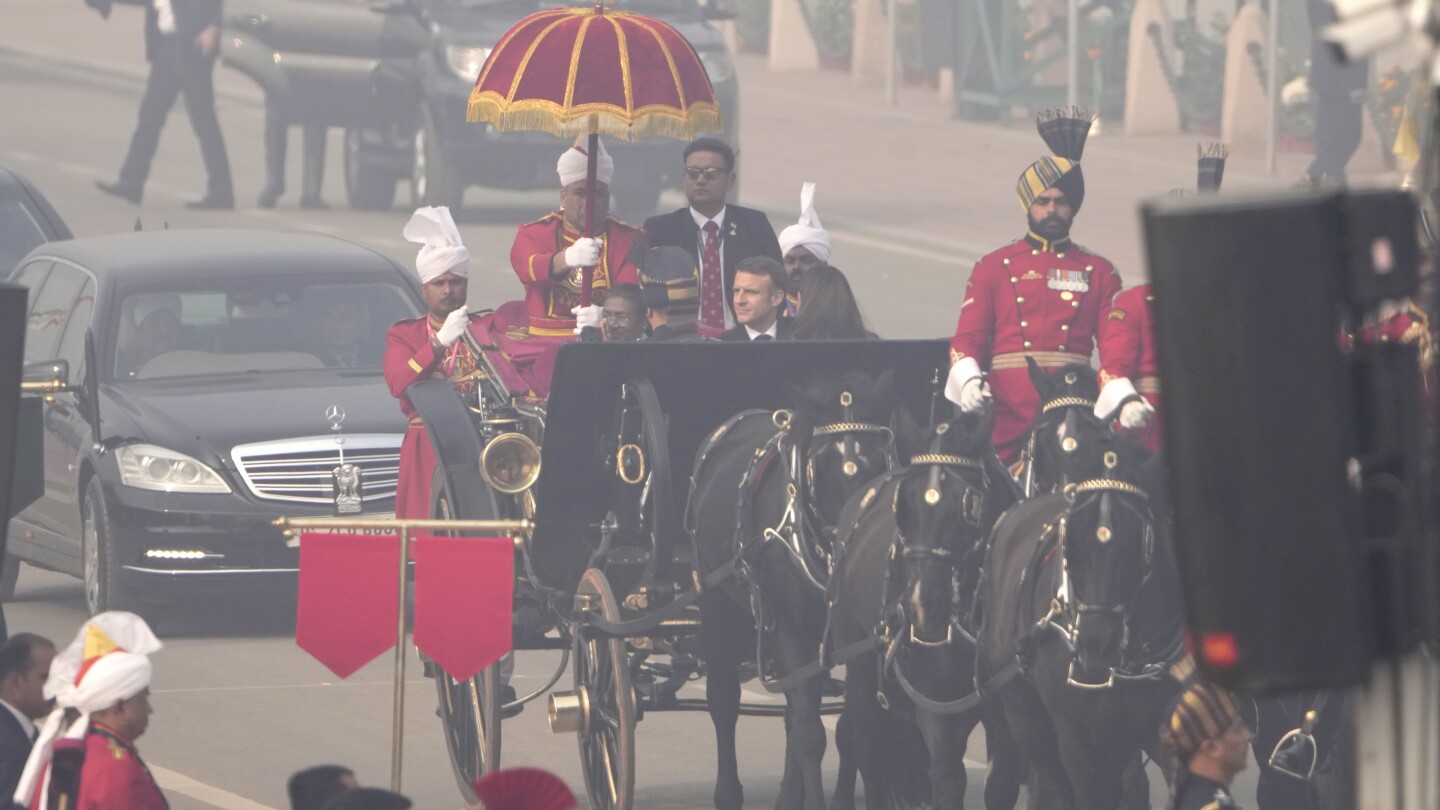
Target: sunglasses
x,y
711,173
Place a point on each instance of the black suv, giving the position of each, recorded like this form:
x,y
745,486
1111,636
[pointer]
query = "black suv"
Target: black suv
x,y
397,76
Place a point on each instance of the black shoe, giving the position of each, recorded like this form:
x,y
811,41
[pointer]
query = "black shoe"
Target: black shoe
x,y
507,695
314,203
269,196
211,202
124,192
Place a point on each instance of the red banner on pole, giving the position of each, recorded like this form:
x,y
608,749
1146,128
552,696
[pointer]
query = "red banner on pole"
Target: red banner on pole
x,y
349,606
464,589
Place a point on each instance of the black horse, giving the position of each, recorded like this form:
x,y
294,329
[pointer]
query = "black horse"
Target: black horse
x,y
1052,452
903,613
765,495
1081,599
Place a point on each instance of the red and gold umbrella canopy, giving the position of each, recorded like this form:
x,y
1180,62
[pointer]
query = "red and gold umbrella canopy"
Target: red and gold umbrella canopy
x,y
588,71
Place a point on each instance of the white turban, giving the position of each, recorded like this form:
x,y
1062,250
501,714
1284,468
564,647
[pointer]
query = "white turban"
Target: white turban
x,y
442,250
808,232
106,663
576,162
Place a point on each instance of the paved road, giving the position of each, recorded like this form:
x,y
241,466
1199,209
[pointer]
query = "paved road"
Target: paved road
x,y
911,199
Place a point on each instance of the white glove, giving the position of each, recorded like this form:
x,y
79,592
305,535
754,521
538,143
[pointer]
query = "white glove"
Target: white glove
x,y
1136,414
966,388
455,325
584,253
1112,394
587,316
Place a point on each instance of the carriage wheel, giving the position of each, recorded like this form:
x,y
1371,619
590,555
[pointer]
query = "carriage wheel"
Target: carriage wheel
x,y
602,678
469,709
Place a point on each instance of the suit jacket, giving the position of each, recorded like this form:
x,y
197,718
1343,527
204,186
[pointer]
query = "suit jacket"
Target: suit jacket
x,y
191,17
747,233
737,333
14,750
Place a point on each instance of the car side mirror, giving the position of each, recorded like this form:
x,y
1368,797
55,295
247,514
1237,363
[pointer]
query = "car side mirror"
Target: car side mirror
x,y
45,377
717,10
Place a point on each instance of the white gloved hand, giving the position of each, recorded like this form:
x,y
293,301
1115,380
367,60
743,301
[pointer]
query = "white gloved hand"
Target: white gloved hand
x,y
1136,414
966,387
1115,391
455,325
584,253
587,316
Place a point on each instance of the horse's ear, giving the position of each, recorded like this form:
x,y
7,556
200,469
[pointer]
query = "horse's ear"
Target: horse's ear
x,y
1037,377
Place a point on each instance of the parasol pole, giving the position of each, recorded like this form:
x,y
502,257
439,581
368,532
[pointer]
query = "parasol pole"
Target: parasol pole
x,y
592,158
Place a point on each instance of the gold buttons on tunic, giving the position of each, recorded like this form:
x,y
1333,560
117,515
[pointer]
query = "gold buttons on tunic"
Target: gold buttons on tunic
x,y
1075,304
1066,296
1014,279
1027,344
1064,327
1059,255
1034,252
1007,261
1089,267
1019,299
1024,323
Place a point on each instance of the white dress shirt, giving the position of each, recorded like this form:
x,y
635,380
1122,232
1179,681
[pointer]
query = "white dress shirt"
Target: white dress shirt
x,y
719,220
773,331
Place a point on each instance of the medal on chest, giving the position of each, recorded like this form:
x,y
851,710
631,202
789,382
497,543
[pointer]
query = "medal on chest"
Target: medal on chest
x,y
1068,280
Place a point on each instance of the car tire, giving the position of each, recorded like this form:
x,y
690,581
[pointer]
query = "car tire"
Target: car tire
x,y
9,575
100,559
433,176
367,186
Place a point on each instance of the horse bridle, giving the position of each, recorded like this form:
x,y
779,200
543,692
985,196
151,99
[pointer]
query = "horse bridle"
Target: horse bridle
x,y
847,428
1068,409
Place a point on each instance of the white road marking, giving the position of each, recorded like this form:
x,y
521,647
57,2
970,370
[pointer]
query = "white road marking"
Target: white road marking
x,y
195,789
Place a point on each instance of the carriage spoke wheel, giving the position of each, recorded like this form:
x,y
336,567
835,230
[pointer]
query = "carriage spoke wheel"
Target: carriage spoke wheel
x,y
602,678
469,709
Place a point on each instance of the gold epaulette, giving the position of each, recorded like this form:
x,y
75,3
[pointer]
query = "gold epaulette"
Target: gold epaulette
x,y
116,749
547,217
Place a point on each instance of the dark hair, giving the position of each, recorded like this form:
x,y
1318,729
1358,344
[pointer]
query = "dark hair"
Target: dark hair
x,y
715,145
629,292
16,652
827,308
312,788
368,799
765,266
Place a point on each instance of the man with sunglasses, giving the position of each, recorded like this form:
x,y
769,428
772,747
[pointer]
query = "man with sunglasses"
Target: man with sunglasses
x,y
719,236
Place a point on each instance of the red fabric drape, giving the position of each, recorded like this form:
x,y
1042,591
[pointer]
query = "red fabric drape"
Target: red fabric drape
x,y
464,587
349,604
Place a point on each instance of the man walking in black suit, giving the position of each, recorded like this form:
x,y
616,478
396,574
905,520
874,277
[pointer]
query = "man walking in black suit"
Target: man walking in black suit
x,y
719,236
24,667
759,301
181,43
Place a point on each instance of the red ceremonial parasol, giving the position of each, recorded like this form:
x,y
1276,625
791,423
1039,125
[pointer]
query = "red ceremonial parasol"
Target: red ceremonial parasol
x,y
588,71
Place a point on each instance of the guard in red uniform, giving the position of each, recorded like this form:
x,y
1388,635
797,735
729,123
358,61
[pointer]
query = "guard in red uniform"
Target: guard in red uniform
x,y
550,254
431,346
1041,297
1129,366
104,676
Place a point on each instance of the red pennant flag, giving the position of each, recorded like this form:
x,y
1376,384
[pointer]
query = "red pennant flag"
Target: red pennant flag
x,y
349,605
464,588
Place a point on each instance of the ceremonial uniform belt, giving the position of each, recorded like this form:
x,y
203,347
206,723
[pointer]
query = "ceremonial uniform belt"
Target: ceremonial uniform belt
x,y
1148,385
1044,359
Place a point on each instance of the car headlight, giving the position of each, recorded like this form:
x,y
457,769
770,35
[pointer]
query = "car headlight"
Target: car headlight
x,y
145,466
466,62
718,64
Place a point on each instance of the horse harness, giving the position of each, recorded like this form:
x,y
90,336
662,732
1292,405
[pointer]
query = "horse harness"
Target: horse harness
x,y
1067,407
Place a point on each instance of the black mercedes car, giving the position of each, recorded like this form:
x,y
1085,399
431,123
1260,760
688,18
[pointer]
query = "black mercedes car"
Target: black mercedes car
x,y
220,379
26,219
397,76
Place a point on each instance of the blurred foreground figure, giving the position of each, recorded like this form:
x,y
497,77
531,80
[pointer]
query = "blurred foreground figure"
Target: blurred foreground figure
x,y
103,680
311,788
1208,743
1041,297
523,789
368,799
24,669
181,43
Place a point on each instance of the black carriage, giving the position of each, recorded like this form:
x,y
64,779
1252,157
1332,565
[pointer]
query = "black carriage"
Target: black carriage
x,y
606,575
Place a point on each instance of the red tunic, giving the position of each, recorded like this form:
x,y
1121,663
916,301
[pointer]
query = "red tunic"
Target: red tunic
x,y
409,356
1127,349
114,777
1030,298
550,300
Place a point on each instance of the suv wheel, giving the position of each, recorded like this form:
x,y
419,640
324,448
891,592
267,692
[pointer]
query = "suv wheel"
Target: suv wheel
x,y
433,178
103,589
367,186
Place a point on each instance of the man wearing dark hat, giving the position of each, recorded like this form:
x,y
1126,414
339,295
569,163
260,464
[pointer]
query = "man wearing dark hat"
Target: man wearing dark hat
x,y
1209,743
670,288
1040,297
1129,374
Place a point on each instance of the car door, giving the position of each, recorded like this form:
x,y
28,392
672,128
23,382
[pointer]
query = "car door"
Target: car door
x,y
66,425
328,53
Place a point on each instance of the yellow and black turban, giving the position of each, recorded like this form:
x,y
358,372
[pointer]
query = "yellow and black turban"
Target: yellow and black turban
x,y
1203,712
1064,131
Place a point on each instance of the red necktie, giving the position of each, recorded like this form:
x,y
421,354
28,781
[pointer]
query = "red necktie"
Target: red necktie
x,y
712,302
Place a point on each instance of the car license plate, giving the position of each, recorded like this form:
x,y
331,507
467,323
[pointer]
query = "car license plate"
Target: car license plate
x,y
294,542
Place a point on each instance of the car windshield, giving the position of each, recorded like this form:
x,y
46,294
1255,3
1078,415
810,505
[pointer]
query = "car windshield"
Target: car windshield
x,y
256,325
19,232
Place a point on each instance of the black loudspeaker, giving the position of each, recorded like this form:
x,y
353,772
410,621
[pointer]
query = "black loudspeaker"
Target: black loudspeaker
x,y
1248,295
12,359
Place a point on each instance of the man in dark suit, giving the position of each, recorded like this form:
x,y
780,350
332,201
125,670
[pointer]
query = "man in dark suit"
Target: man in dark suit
x,y
758,298
717,235
181,43
24,667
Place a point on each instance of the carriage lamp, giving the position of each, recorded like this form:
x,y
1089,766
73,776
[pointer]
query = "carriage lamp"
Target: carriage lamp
x,y
145,466
510,463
